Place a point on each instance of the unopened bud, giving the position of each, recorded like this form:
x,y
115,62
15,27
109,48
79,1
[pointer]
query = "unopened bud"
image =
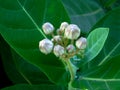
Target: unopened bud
x,y
56,39
48,28
81,43
59,50
63,26
70,48
45,46
72,31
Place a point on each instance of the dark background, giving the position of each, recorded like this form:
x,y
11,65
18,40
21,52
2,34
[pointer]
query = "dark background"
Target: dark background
x,y
4,80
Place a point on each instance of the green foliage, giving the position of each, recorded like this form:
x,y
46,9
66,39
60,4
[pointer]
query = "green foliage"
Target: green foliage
x,y
34,87
105,77
23,34
20,26
18,70
112,45
84,13
103,71
95,42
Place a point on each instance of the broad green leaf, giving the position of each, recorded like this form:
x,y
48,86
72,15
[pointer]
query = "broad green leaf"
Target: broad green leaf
x,y
95,43
9,64
34,87
29,72
106,77
19,70
103,73
84,13
20,22
112,45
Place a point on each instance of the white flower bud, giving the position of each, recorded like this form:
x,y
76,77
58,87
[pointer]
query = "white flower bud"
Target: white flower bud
x,y
63,26
72,31
59,50
57,39
45,46
70,48
81,43
48,28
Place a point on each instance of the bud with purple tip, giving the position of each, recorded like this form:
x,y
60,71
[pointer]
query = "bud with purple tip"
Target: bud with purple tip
x,y
81,43
72,31
70,48
63,26
48,28
59,50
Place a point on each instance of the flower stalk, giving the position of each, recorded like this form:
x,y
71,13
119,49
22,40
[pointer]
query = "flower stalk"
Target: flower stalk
x,y
71,69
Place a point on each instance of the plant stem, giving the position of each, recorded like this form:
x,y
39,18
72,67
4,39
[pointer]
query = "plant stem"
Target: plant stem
x,y
71,70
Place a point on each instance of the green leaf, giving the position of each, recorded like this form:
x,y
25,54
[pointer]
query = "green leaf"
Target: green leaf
x,y
95,43
9,64
20,22
17,69
112,45
34,87
29,72
84,13
104,77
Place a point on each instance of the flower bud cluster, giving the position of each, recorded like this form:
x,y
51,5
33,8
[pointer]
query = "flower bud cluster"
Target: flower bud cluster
x,y
66,43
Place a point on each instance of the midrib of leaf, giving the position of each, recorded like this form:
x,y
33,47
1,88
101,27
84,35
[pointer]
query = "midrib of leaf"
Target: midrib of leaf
x,y
99,79
89,50
109,54
30,17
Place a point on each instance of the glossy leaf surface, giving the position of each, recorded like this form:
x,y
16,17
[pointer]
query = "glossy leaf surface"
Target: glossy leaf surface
x,y
20,24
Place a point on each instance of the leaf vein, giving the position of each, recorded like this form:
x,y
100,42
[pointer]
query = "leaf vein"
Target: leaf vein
x,y
95,44
108,88
30,17
109,54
